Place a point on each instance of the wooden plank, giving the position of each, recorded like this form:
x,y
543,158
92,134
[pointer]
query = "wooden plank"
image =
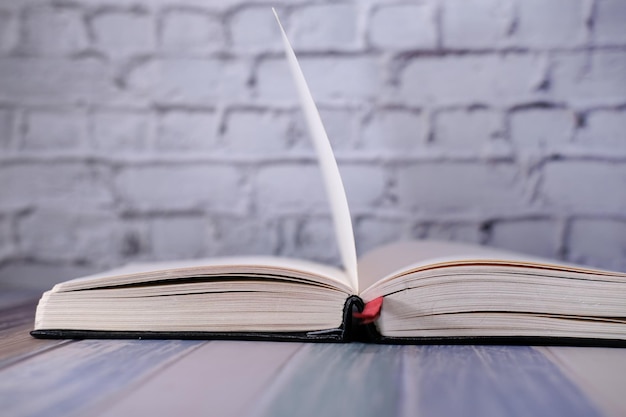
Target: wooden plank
x,y
221,378
488,381
16,322
600,372
73,378
372,380
17,344
336,380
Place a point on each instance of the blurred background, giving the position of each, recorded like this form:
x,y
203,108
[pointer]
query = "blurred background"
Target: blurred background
x,y
162,129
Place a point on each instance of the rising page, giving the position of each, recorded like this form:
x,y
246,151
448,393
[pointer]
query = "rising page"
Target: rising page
x,y
330,171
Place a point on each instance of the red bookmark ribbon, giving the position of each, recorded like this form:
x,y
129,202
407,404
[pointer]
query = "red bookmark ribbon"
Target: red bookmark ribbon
x,y
371,311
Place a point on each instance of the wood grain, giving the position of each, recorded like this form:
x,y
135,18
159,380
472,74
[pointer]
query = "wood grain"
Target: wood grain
x,y
16,344
16,321
221,378
491,381
372,380
600,372
336,380
71,379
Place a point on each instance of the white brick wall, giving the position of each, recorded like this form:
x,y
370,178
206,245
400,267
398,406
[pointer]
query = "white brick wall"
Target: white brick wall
x,y
467,131
327,27
170,128
609,21
118,34
55,130
541,128
48,31
538,25
120,131
190,32
402,27
187,131
475,24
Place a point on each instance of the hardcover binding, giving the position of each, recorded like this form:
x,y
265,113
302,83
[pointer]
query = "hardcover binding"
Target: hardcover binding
x,y
343,333
352,329
496,340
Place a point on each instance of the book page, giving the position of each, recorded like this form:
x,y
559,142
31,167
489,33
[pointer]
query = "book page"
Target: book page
x,y
399,258
330,171
219,268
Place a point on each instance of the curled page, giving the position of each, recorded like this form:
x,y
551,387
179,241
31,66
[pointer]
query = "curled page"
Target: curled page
x,y
330,172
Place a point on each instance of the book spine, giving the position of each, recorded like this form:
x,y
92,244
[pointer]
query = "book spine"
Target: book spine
x,y
355,328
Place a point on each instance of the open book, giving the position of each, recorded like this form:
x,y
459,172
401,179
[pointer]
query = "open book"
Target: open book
x,y
404,292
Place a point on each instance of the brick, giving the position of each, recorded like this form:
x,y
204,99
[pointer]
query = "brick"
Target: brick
x,y
557,23
120,131
341,127
608,27
350,78
584,187
187,131
449,231
189,81
604,128
494,79
364,184
24,275
254,29
295,188
257,132
534,236
243,235
476,23
136,239
8,31
324,27
310,238
541,128
402,27
589,79
223,6
466,130
373,232
55,81
598,242
6,128
179,238
460,187
53,31
70,235
58,184
395,131
177,188
55,130
273,81
291,188
191,32
120,34
331,78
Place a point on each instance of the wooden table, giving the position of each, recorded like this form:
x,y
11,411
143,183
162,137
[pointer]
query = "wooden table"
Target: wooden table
x,y
223,378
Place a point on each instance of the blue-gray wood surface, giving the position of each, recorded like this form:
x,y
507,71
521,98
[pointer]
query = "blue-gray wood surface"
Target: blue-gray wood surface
x,y
228,378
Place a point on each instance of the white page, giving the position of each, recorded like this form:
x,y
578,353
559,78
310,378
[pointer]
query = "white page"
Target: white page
x,y
330,172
